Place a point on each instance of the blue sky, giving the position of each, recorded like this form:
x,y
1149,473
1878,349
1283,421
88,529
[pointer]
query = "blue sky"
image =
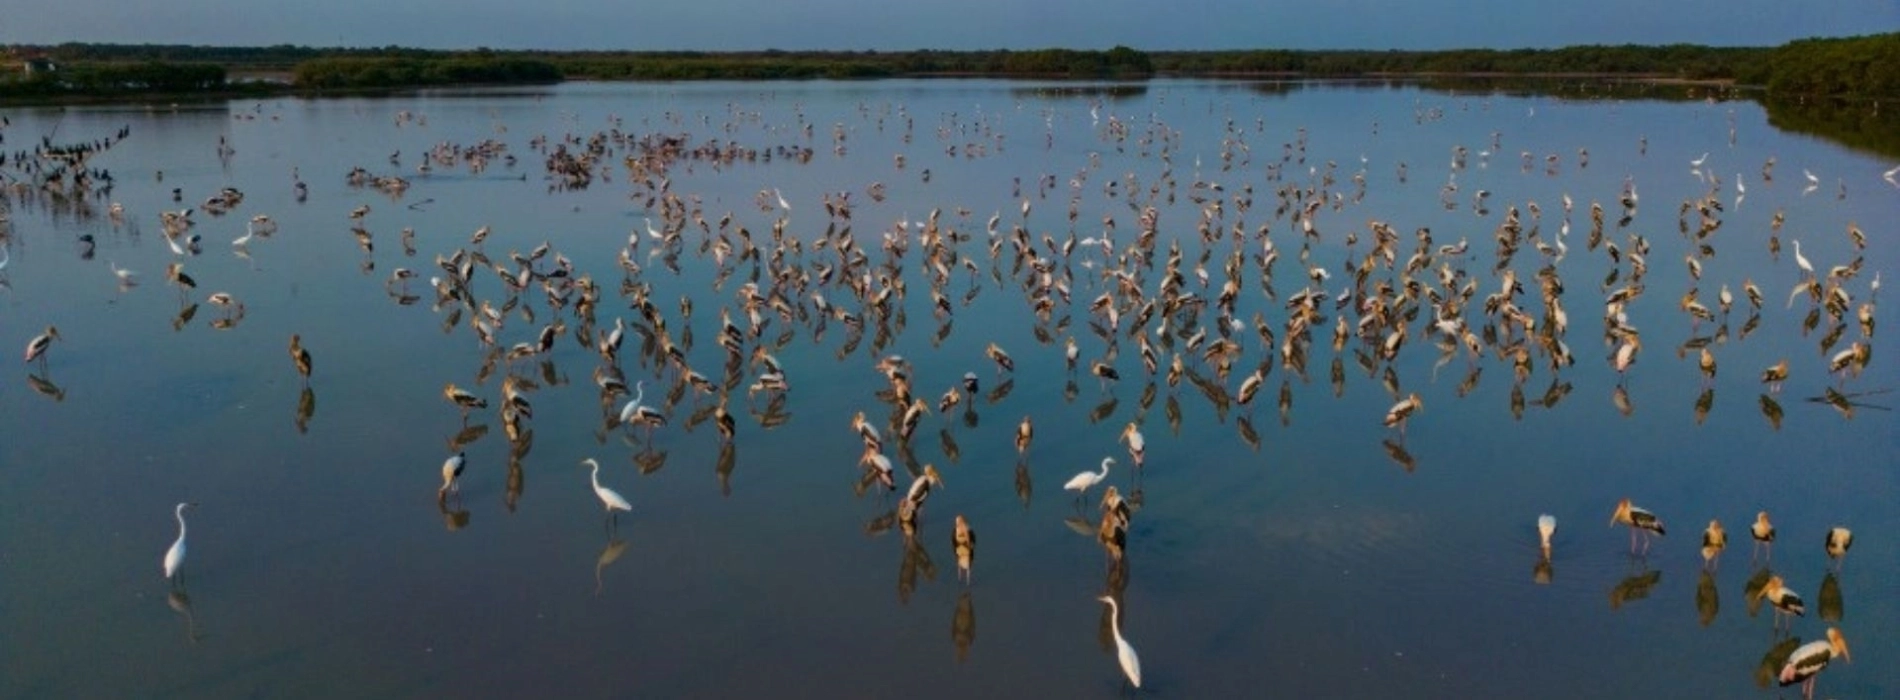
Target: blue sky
x,y
963,24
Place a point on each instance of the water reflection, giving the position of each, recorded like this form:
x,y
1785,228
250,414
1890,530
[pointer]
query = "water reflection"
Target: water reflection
x,y
180,602
608,555
1707,600
1636,586
963,625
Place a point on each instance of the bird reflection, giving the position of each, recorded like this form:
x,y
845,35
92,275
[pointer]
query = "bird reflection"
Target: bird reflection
x,y
467,436
1769,670
45,387
722,467
963,626
916,561
180,603
1024,486
1542,572
1707,600
454,515
1752,588
1771,409
1831,605
1634,587
608,555
306,407
1400,455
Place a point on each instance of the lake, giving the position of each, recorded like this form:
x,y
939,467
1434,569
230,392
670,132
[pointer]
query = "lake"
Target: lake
x,y
1292,546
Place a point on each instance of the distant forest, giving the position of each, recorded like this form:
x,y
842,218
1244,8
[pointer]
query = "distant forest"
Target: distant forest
x,y
1867,66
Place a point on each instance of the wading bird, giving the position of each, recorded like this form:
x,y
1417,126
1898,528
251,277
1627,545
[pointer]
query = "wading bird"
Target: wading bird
x,y
1637,519
1124,652
1764,533
1807,661
1714,540
451,476
36,348
1839,539
609,499
1546,526
1785,600
175,557
1081,482
300,357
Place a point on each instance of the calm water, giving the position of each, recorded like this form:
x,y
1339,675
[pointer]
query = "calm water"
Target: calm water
x,y
1296,546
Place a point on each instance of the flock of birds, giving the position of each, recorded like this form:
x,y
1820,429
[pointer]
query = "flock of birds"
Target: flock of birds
x,y
1173,294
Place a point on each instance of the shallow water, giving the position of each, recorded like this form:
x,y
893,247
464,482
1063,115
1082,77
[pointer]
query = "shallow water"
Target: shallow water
x,y
1326,556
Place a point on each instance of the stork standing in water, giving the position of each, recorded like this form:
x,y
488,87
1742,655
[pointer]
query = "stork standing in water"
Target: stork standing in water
x,y
1839,539
963,540
1714,540
1785,600
1136,444
1764,534
300,357
451,477
36,348
1637,519
1809,659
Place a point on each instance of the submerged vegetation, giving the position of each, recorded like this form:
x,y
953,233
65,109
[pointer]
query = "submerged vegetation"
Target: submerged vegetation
x,y
1862,67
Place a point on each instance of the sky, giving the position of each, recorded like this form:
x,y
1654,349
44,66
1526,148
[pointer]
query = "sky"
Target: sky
x,y
942,24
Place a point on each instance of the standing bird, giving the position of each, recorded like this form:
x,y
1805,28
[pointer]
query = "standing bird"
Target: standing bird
x,y
1775,375
300,357
872,441
1402,411
963,540
1003,363
1786,601
463,399
608,498
1069,353
36,348
1764,533
451,476
175,557
1024,433
1546,526
1637,519
724,422
1625,356
1714,540
1807,661
1081,482
1124,652
1104,373
1838,540
1136,444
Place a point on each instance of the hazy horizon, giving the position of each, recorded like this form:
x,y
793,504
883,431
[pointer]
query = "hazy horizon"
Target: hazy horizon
x,y
857,25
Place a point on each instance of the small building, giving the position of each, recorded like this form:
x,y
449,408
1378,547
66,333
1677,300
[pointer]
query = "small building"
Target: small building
x,y
38,64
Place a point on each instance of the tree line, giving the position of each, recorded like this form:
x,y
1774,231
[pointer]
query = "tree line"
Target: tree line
x,y
1867,66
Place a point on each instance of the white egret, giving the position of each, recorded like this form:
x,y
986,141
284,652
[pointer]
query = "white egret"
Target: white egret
x,y
608,498
175,557
1080,483
1801,261
1124,652
632,408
